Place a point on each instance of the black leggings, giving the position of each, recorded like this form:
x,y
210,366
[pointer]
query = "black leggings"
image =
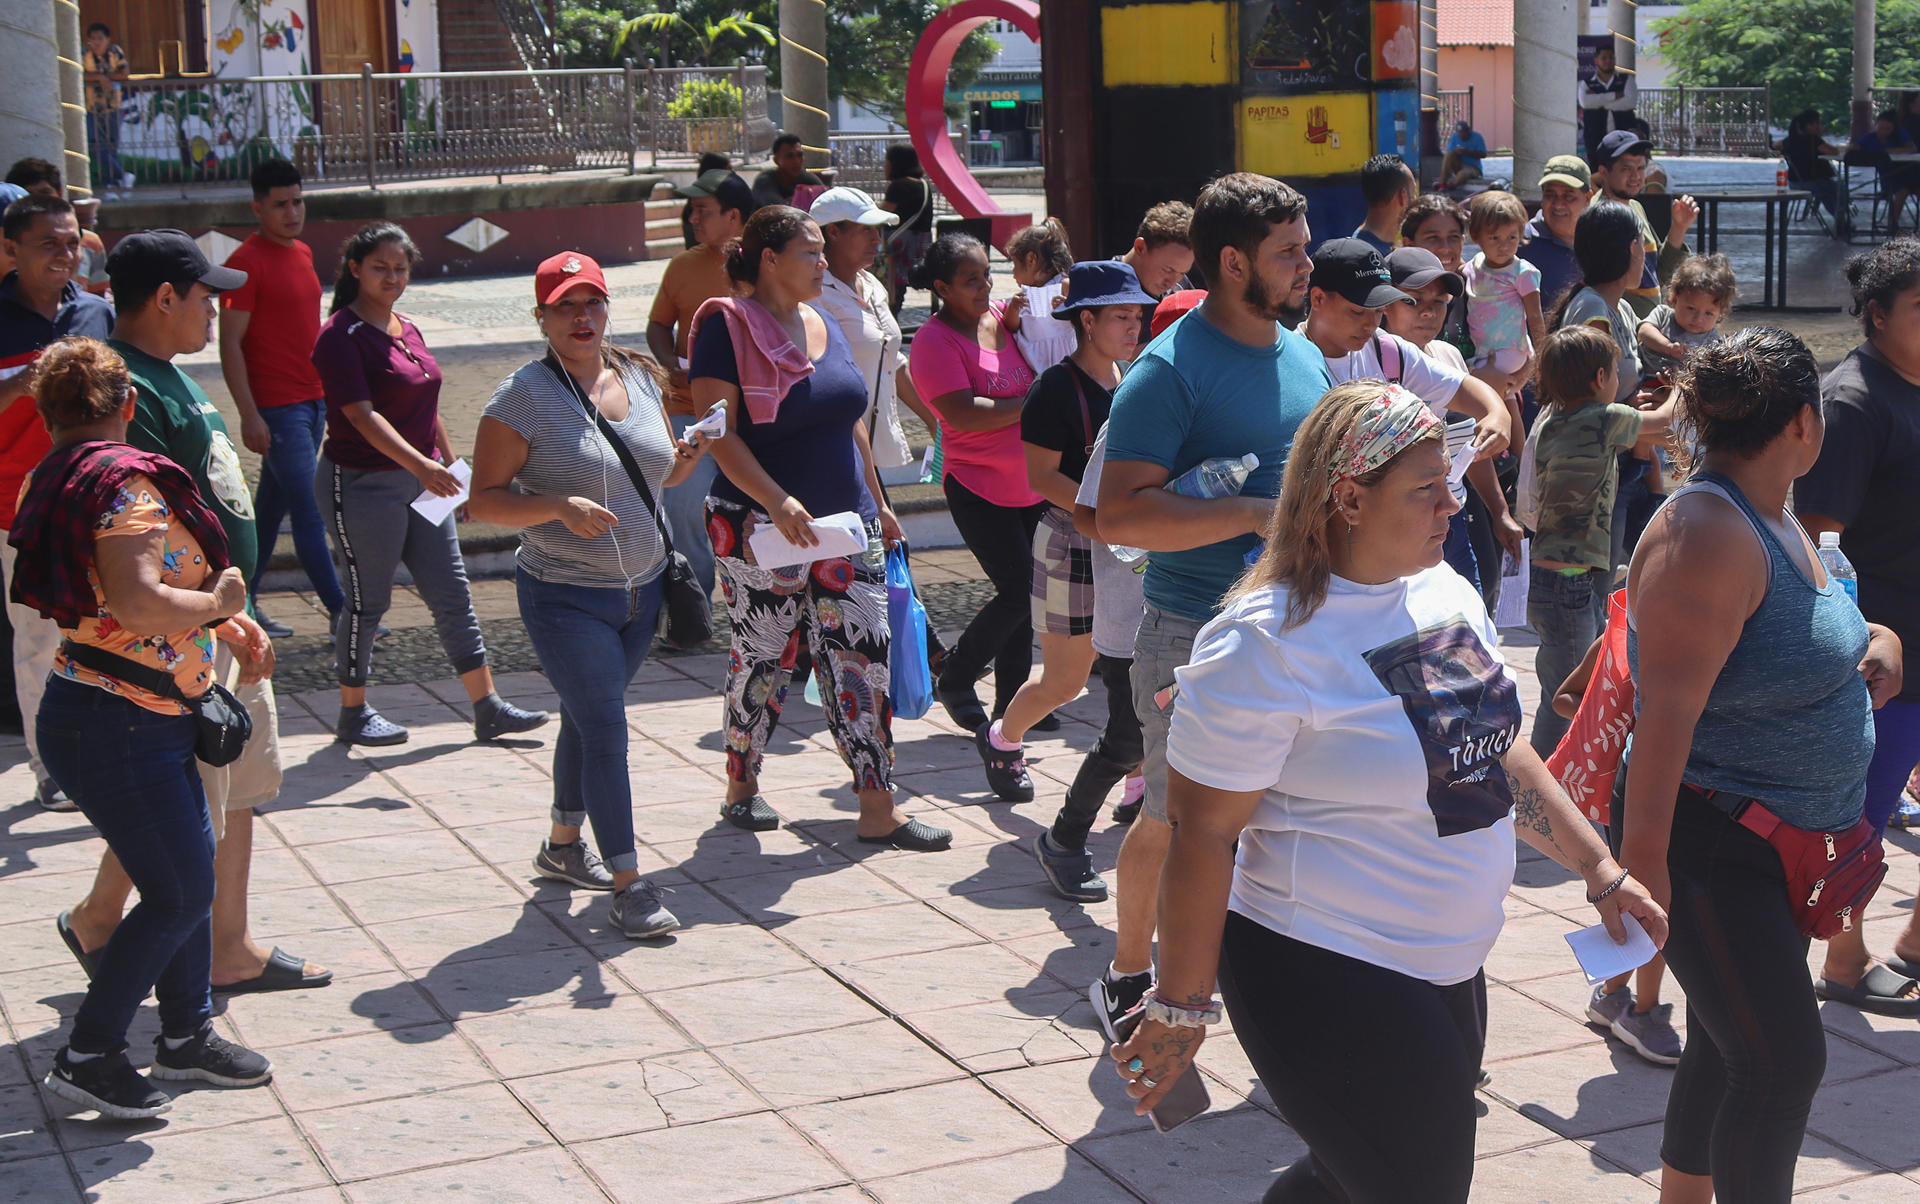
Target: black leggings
x,y
1001,539
1755,1049
1380,1087
1117,753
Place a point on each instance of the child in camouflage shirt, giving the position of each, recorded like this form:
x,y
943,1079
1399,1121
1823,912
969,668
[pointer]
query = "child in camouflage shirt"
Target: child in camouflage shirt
x,y
1581,433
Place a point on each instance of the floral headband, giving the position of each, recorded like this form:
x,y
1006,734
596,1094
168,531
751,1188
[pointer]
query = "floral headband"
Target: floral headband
x,y
1388,425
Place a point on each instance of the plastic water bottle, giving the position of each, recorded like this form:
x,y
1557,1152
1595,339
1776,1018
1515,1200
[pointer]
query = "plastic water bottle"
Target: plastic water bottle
x,y
1221,476
1838,566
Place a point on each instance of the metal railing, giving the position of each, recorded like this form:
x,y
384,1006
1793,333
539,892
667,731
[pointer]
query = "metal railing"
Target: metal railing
x,y
860,161
1889,97
1454,107
1712,121
387,126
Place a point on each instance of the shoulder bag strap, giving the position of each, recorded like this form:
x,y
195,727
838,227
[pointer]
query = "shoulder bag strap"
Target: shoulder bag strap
x,y
620,448
132,672
1086,414
926,201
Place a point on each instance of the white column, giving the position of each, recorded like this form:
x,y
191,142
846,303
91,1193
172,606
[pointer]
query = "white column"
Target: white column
x,y
1863,20
803,75
1544,76
30,102
1622,24
73,97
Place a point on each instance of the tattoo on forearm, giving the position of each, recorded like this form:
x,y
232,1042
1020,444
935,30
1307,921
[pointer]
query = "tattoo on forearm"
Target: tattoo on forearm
x,y
1530,811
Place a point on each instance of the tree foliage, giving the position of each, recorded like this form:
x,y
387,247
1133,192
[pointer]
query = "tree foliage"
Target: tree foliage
x,y
1803,48
869,42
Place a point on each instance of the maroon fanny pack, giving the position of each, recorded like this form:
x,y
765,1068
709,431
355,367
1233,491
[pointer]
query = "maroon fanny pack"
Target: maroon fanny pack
x,y
1830,875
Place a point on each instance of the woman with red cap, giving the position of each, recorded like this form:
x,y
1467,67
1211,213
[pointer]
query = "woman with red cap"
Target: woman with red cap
x,y
573,429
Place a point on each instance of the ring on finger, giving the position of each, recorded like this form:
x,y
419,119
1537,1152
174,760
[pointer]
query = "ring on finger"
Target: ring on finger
x,y
1148,1083
1136,1066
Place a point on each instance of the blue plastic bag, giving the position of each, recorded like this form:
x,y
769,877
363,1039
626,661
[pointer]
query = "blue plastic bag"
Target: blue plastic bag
x,y
911,681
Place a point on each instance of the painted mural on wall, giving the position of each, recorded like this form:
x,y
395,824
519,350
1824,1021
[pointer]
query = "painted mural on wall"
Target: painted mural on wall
x,y
1327,84
215,129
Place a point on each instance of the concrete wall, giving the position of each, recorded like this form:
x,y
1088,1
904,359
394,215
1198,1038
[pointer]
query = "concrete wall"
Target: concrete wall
x,y
1489,71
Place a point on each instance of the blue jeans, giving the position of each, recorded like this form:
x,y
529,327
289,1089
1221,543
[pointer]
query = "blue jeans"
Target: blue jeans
x,y
133,773
286,488
103,143
1896,749
1568,614
686,506
591,642
1458,550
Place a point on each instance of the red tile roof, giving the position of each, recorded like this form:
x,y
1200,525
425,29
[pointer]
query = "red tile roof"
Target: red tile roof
x,y
1475,22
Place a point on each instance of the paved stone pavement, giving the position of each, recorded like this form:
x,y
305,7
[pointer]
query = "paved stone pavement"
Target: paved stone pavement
x,y
833,1025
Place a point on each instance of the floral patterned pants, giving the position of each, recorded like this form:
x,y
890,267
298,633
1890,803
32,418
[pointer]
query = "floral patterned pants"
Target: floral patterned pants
x,y
839,607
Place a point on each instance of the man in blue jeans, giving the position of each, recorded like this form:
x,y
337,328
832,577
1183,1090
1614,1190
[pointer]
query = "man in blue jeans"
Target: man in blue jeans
x,y
1224,380
267,329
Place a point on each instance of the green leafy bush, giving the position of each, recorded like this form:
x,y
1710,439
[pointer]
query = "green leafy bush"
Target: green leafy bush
x,y
699,98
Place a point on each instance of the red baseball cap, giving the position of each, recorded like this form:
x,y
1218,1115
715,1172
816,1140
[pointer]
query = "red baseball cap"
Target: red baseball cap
x,y
1172,306
558,273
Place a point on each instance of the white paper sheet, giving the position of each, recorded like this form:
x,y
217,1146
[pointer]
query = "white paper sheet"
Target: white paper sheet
x,y
1601,959
842,534
713,426
1511,611
434,508
1462,460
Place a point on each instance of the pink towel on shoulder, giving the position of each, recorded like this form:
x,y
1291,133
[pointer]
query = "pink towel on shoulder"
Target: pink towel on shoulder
x,y
769,363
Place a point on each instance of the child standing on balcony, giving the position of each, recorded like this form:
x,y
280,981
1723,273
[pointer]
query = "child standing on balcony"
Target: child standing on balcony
x,y
1503,290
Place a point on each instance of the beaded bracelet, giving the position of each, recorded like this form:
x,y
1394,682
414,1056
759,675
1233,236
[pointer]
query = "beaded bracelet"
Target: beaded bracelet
x,y
1617,884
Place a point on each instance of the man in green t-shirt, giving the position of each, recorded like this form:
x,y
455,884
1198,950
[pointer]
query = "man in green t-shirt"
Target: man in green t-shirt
x,y
163,292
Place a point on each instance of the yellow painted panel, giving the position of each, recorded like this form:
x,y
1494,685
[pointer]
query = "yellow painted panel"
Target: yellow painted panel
x,y
1305,136
1167,45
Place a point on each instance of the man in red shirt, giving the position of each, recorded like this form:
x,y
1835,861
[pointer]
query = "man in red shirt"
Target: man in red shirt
x,y
39,302
267,330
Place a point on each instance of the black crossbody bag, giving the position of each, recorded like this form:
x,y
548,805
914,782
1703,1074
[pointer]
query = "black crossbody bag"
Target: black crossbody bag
x,y
224,723
689,610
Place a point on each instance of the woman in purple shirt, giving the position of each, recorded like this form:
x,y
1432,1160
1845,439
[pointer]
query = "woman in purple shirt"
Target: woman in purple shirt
x,y
385,443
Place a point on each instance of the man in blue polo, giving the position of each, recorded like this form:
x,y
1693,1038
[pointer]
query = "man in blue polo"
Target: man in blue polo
x,y
1224,380
40,301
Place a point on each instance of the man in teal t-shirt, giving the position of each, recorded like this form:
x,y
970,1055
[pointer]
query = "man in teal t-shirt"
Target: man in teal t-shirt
x,y
164,290
1224,380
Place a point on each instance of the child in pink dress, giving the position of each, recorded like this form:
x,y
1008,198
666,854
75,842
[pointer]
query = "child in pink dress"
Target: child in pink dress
x,y
1504,316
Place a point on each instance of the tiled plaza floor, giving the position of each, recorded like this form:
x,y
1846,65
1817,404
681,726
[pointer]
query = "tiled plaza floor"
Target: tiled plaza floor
x,y
833,1025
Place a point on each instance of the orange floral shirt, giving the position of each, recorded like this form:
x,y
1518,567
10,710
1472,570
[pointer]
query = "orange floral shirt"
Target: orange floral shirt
x,y
137,509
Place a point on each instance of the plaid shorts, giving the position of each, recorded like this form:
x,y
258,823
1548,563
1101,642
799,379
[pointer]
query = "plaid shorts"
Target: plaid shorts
x,y
1062,576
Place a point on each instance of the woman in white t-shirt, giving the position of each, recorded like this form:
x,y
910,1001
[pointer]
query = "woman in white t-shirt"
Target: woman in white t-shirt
x,y
1348,720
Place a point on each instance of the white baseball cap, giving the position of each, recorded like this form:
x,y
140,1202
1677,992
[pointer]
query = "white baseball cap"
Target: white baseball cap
x,y
849,205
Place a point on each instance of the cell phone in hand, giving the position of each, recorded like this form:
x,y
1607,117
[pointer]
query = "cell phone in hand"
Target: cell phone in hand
x,y
1186,1099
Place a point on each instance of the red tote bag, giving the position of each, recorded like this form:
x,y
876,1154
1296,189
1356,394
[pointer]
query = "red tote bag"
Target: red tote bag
x,y
1588,758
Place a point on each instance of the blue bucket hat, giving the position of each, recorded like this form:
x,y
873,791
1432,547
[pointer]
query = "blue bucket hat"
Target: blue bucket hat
x,y
1103,282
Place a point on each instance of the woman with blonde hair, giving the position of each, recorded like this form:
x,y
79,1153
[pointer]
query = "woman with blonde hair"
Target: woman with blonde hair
x,y
1349,721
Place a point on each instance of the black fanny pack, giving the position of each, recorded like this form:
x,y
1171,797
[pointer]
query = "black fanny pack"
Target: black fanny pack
x,y
224,723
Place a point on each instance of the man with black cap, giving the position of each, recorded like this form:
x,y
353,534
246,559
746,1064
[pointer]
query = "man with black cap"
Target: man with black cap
x,y
1350,286
1619,173
1484,525
163,295
720,204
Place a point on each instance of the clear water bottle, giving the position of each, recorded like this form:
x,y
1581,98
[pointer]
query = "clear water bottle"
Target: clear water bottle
x,y
1838,566
1221,476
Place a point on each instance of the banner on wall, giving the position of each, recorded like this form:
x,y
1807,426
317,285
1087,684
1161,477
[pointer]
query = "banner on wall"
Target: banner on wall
x,y
1397,124
1396,40
1323,134
1304,45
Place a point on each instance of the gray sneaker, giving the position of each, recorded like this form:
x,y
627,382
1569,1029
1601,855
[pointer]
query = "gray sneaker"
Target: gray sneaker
x,y
1650,1033
575,864
638,911
1605,1010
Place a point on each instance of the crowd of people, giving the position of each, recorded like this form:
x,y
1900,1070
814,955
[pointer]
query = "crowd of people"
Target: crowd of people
x,y
1269,489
